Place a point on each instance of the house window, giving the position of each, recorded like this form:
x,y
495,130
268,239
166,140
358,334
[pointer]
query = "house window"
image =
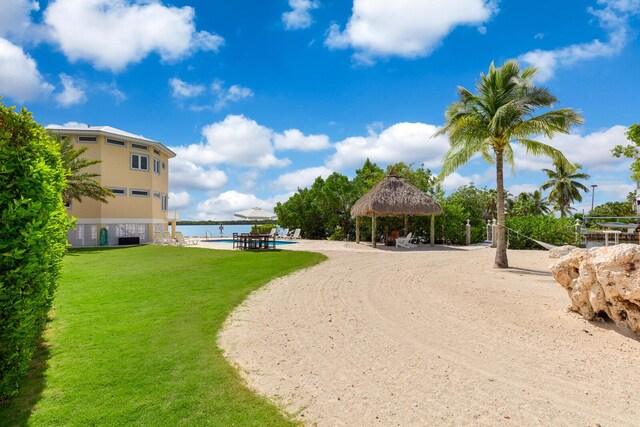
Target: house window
x,y
118,191
156,195
139,162
67,205
116,142
155,151
87,139
156,166
139,146
140,193
164,201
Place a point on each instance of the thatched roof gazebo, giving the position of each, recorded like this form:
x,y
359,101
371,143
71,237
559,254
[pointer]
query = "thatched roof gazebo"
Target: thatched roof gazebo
x,y
393,196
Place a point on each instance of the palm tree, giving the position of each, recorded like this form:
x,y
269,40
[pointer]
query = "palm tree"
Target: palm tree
x,y
527,204
500,113
565,189
80,183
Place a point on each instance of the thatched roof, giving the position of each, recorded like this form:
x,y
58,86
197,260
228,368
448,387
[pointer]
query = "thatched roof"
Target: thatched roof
x,y
393,196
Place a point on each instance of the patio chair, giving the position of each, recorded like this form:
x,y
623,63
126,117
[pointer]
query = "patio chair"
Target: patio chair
x,y
296,234
405,242
182,241
158,239
168,238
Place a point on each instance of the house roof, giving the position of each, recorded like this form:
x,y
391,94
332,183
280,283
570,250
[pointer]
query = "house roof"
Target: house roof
x,y
393,196
108,131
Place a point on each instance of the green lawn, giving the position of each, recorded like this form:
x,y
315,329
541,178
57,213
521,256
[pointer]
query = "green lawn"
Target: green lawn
x,y
133,340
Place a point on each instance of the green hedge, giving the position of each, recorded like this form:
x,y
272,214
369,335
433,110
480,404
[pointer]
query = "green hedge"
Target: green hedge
x,y
555,231
33,230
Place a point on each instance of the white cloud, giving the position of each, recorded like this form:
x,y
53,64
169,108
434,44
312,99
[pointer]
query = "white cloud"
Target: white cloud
x,y
402,142
179,201
409,28
224,205
72,94
293,139
15,18
76,125
613,19
182,89
112,34
224,95
615,189
299,17
20,79
236,140
592,151
187,175
522,188
113,90
301,178
455,180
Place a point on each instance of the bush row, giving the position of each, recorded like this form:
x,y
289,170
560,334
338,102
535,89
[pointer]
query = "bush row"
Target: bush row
x,y
33,229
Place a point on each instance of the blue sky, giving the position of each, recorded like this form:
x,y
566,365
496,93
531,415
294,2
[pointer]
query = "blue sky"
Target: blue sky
x,y
260,97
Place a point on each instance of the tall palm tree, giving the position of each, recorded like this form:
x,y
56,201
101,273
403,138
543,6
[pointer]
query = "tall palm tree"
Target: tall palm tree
x,y
565,189
527,204
80,183
502,112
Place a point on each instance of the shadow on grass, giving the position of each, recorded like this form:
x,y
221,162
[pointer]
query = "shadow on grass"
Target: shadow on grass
x,y
17,410
76,251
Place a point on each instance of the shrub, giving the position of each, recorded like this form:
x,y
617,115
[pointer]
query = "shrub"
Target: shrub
x,y
263,229
555,231
33,229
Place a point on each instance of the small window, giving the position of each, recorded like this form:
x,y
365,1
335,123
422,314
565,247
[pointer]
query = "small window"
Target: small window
x,y
139,146
155,151
140,193
87,139
156,195
156,165
164,202
67,205
116,142
118,191
139,162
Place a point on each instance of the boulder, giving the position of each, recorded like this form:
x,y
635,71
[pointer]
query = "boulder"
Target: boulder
x,y
603,282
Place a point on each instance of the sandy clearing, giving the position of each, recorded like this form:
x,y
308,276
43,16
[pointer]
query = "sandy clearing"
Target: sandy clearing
x,y
432,338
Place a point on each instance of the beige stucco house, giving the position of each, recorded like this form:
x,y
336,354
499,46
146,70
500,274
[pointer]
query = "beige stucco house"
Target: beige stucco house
x,y
136,169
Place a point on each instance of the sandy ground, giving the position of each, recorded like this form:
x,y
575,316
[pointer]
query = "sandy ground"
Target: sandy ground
x,y
432,337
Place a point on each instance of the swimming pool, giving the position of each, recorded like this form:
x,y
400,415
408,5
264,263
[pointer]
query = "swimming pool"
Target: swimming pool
x,y
278,242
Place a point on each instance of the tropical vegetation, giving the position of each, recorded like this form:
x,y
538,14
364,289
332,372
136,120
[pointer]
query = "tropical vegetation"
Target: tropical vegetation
x,y
503,111
564,185
631,151
33,236
80,182
137,346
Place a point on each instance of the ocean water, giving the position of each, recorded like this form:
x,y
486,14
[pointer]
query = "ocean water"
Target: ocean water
x,y
213,230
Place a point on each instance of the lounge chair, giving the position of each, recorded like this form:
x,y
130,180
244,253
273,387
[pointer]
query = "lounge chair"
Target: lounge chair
x,y
158,239
285,233
168,238
296,234
405,242
182,241
273,232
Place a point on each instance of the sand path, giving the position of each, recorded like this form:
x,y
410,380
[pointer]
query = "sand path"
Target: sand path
x,y
432,338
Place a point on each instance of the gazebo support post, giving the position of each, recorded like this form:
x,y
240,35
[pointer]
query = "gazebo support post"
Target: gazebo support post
x,y
432,234
357,229
373,230
406,225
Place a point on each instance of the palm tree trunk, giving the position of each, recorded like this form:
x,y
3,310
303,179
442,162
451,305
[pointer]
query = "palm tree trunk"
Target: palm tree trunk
x,y
501,246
